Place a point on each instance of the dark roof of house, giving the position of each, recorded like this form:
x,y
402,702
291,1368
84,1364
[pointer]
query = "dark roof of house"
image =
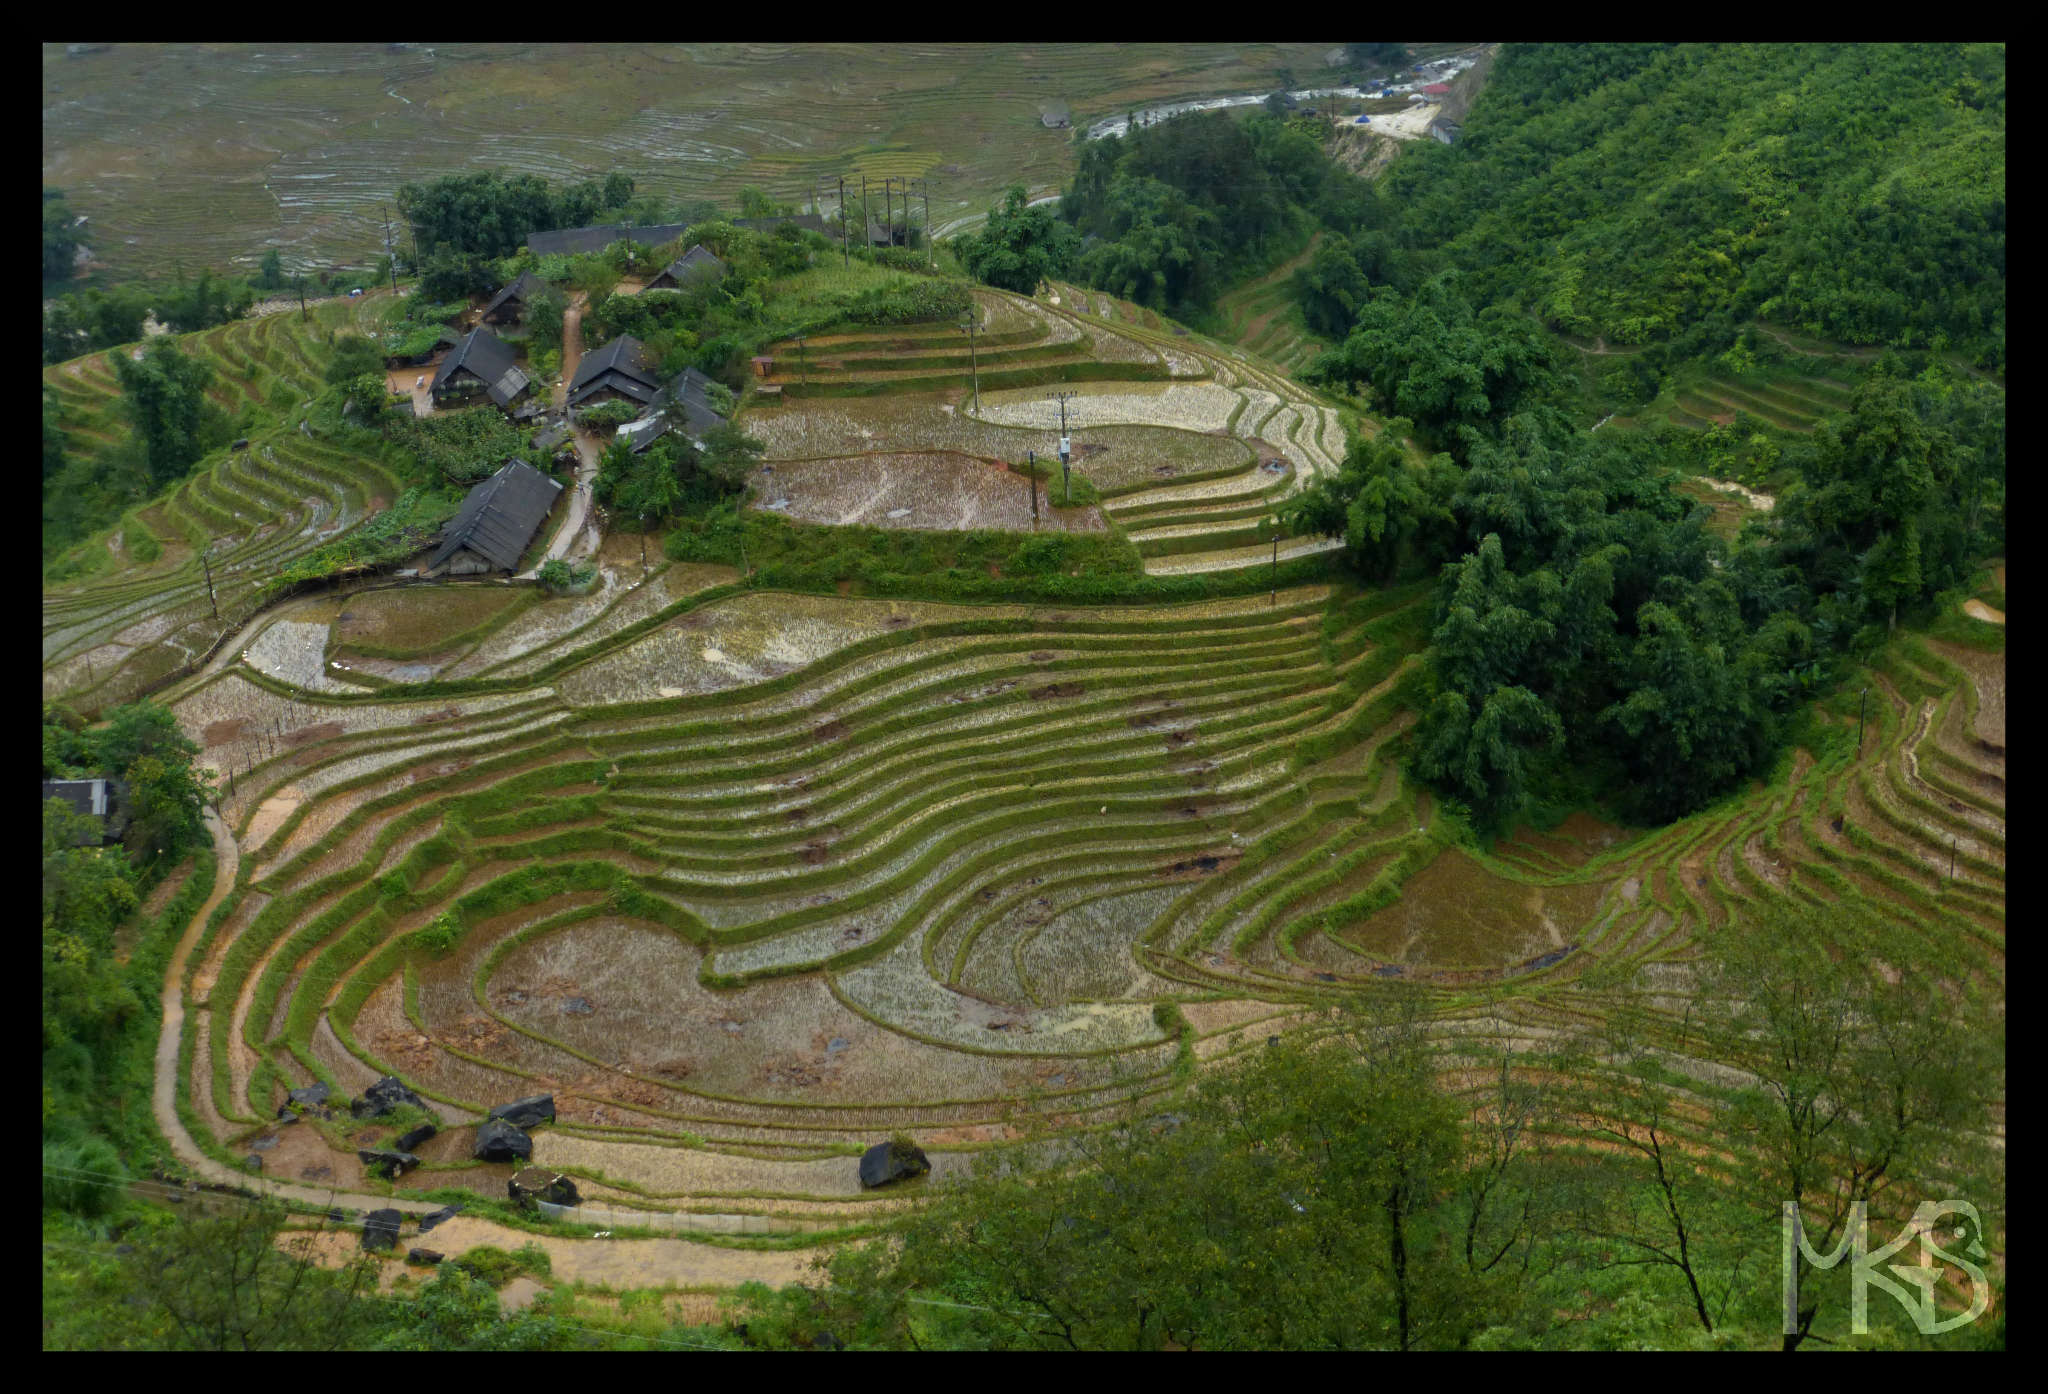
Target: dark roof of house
x,y
575,241
488,358
694,265
553,436
689,388
523,290
812,222
620,365
105,799
500,516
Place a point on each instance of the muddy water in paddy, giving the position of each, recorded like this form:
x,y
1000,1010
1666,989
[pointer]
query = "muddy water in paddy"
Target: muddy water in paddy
x,y
1455,913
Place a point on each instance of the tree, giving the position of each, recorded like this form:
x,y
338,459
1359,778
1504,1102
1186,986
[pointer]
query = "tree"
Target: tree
x,y
220,1280
1019,247
87,893
457,1311
729,458
270,271
352,356
1379,502
1864,1087
164,396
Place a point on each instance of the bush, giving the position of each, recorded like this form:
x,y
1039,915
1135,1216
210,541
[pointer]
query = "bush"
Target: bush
x,y
607,416
82,1178
440,936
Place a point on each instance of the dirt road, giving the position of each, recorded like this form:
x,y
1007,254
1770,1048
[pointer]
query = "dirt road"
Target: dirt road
x,y
572,347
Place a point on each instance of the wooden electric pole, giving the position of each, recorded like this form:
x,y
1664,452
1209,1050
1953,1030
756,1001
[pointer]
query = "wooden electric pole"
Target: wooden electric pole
x,y
845,242
207,563
1860,704
390,257
865,217
930,255
969,326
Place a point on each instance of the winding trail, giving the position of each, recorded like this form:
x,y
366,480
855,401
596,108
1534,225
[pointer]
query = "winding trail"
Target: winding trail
x,y
623,1263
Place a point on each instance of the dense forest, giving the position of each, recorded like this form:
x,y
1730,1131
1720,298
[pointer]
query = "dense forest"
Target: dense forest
x,y
1652,193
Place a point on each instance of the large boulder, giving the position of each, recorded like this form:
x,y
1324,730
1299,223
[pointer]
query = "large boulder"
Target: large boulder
x,y
539,1183
380,1229
527,1113
499,1141
311,1096
387,1164
413,1139
425,1258
382,1097
892,1161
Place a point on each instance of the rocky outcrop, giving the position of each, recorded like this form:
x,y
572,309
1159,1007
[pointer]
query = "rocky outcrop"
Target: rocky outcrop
x,y
388,1165
527,1113
890,1161
499,1141
382,1097
380,1229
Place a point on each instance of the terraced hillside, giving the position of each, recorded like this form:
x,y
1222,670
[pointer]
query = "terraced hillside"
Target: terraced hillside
x,y
299,146
240,517
1187,444
747,880
1263,318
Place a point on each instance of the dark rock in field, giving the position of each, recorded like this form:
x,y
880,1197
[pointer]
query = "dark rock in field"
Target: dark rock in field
x,y
311,1095
380,1229
263,1144
1387,970
542,1184
382,1097
408,1141
389,1165
889,1161
242,444
527,1113
435,1217
499,1141
577,1006
836,1044
338,1215
1326,977
285,1115
253,1162
425,1258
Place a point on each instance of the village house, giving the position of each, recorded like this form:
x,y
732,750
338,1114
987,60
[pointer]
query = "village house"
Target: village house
x,y
621,371
509,305
693,391
694,267
481,363
491,530
104,799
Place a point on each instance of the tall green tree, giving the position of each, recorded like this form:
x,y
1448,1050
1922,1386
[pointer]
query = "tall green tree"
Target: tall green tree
x,y
1019,246
164,395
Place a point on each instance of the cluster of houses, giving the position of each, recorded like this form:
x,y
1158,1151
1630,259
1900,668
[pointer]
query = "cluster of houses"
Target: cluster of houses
x,y
499,517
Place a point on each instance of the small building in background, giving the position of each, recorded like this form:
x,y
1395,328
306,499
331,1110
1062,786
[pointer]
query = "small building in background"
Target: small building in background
x,y
481,363
104,799
491,530
694,267
1445,131
509,305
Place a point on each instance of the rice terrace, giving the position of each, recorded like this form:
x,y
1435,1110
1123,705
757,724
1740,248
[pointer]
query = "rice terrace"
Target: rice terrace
x,y
962,696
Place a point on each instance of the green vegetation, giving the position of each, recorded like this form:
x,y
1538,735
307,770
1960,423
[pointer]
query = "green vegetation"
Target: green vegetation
x,y
1665,195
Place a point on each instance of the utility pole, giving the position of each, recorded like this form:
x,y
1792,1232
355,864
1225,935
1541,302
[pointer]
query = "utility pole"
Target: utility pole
x,y
1860,704
1274,599
207,563
931,256
1031,482
889,209
845,246
302,296
865,216
802,368
390,257
968,326
1066,446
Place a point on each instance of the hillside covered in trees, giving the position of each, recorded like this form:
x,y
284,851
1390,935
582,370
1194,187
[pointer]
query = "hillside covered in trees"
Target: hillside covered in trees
x,y
1651,192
